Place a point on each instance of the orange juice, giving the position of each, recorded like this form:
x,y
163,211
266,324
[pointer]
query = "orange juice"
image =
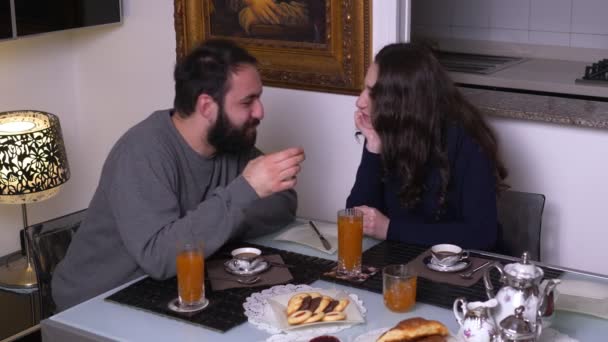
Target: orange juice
x,y
400,294
350,241
190,276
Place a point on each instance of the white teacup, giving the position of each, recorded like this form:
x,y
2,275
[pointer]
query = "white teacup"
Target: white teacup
x,y
447,255
246,258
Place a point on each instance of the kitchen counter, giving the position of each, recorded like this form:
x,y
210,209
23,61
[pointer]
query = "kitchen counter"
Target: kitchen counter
x,y
553,109
538,74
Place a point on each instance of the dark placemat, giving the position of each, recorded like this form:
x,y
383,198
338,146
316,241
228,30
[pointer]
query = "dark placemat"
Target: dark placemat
x,y
419,266
439,294
225,309
222,280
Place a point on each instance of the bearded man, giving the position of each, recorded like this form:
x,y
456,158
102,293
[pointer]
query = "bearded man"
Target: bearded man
x,y
188,173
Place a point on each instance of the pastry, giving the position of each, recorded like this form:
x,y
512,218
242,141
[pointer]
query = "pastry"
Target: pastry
x,y
314,304
315,317
330,307
299,317
432,338
323,303
415,329
294,305
297,296
310,307
300,301
341,305
305,303
334,316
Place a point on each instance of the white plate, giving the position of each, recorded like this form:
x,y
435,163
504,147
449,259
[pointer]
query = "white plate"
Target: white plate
x,y
279,307
262,316
372,336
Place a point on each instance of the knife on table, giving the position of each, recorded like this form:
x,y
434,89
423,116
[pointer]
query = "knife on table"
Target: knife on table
x,y
326,243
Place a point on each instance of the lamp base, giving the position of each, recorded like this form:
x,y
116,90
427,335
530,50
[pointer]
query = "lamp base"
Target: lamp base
x,y
18,274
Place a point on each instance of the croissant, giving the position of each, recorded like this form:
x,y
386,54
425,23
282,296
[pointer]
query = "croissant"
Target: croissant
x,y
416,329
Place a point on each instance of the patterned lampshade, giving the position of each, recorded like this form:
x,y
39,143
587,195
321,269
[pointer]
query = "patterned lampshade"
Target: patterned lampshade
x,y
33,161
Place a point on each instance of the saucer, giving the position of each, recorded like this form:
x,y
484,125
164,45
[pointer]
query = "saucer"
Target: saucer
x,y
259,268
459,266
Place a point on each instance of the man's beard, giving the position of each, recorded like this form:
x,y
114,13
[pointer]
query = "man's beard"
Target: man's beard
x,y
228,138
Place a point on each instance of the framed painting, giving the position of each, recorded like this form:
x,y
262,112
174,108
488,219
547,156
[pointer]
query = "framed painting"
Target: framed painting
x,y
319,45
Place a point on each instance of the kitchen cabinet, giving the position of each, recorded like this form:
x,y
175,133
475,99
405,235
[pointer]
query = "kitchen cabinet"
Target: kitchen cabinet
x,y
6,25
20,18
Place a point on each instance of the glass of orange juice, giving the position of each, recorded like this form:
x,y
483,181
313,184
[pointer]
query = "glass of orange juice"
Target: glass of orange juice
x,y
399,287
190,264
350,241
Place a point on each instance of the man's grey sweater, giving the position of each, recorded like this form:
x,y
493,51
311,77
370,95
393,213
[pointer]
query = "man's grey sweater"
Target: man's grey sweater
x,y
154,191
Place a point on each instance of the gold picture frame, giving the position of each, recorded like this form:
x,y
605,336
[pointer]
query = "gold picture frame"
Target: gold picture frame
x,y
330,52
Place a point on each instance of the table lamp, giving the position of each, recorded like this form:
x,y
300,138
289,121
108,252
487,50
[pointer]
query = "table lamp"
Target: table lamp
x,y
33,167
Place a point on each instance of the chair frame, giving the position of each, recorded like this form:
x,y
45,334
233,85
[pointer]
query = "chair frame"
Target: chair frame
x,y
44,272
529,207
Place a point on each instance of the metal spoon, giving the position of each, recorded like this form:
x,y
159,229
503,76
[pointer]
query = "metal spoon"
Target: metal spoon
x,y
469,275
244,281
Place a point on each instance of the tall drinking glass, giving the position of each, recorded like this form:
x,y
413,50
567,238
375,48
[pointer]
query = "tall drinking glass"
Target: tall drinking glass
x,y
399,287
350,241
190,263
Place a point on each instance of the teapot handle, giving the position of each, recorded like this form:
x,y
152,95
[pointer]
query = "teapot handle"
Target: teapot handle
x,y
462,303
547,296
488,282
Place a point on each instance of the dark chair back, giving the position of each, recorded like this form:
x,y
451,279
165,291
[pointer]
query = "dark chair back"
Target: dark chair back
x,y
48,242
520,215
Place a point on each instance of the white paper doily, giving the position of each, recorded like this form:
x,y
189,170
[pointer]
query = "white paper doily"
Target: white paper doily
x,y
262,317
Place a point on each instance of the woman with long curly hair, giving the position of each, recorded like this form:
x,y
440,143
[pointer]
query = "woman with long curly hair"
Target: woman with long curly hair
x,y
430,170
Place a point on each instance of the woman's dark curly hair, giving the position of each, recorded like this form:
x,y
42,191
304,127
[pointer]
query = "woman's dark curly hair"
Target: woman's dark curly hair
x,y
414,101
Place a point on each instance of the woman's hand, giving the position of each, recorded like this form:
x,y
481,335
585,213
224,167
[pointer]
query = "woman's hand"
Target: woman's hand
x,y
375,224
363,122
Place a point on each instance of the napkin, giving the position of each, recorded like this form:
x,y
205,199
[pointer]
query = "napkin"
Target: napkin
x,y
273,276
305,235
444,277
583,296
552,335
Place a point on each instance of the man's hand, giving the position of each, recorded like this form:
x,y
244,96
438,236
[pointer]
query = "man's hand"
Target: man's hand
x,y
274,172
375,224
363,122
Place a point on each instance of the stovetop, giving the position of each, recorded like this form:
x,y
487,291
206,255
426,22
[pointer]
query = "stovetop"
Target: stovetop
x,y
475,63
597,73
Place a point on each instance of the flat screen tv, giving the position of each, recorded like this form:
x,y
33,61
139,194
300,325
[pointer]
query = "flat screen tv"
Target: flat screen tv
x,y
6,25
35,16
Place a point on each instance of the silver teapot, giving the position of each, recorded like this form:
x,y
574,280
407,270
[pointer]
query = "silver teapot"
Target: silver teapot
x,y
521,288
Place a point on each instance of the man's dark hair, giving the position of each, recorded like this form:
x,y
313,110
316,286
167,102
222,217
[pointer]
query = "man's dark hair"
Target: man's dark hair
x,y
206,70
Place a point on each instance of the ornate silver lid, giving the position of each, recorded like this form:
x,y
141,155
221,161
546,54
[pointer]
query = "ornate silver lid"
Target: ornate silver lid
x,y
516,328
524,270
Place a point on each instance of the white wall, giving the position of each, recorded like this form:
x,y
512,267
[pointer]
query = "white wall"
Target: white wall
x,y
100,81
565,164
38,73
572,23
323,124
